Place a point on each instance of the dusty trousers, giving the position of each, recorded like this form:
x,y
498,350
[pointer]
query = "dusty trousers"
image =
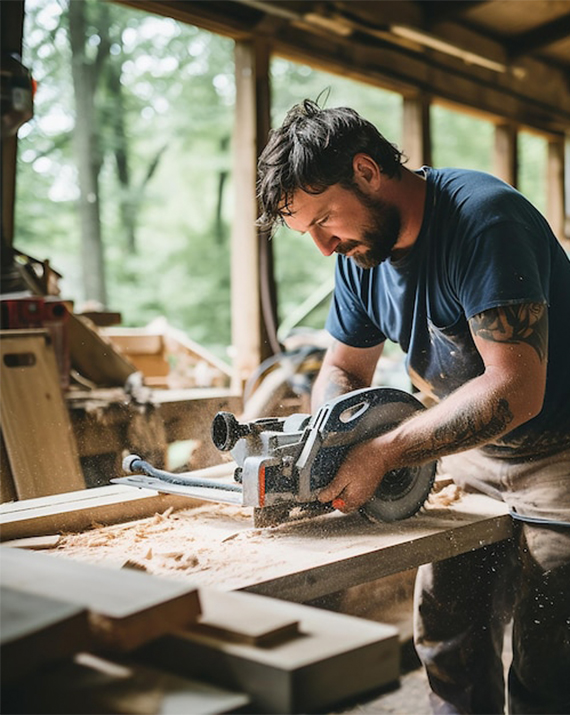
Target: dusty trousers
x,y
463,604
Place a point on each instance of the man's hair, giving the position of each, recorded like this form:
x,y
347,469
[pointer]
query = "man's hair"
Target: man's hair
x,y
312,150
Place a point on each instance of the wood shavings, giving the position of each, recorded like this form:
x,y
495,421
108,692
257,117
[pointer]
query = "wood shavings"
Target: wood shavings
x,y
136,565
447,495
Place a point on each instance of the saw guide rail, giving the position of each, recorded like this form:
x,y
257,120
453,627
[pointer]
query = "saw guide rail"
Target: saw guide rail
x,y
283,463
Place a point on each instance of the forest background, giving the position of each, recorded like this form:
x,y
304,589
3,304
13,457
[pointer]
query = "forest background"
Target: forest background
x,y
124,174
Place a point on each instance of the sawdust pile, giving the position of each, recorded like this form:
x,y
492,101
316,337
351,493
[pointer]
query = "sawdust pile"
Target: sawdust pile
x,y
216,544
170,544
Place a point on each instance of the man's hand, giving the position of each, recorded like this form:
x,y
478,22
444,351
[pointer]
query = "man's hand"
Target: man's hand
x,y
357,478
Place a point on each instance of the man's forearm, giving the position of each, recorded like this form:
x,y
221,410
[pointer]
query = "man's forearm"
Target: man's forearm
x,y
475,414
332,382
344,369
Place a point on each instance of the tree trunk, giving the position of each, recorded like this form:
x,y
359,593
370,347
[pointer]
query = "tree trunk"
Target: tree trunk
x,y
127,204
87,156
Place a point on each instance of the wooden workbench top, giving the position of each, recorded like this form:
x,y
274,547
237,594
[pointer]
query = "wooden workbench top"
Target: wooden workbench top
x,y
216,545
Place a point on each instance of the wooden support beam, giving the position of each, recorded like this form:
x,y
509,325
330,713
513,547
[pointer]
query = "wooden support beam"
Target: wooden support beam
x,y
11,26
540,37
505,158
555,210
252,104
417,130
269,298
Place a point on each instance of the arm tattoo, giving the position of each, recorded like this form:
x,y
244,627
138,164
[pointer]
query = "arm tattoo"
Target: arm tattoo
x,y
522,323
465,430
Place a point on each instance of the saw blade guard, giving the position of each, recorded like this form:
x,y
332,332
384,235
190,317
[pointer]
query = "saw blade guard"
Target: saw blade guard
x,y
357,417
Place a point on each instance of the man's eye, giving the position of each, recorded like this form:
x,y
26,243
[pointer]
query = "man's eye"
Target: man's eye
x,y
323,221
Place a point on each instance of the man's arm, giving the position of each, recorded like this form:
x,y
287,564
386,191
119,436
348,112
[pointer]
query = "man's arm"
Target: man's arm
x,y
344,369
512,342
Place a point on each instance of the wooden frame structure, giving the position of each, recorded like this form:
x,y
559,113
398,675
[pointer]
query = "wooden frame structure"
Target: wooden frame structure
x,y
506,61
464,54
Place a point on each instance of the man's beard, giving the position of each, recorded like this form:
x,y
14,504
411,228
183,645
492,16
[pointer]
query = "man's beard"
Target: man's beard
x,y
379,237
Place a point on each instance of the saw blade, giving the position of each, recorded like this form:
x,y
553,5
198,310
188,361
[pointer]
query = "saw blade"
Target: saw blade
x,y
401,494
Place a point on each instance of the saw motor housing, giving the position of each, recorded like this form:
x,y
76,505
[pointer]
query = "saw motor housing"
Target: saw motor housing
x,y
288,461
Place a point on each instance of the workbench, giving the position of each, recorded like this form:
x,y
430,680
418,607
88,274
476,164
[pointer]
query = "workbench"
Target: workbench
x,y
215,548
216,544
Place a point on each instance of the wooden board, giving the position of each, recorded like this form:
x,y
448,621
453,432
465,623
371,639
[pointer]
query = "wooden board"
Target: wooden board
x,y
36,630
126,607
297,561
248,619
76,511
91,684
35,422
334,657
95,357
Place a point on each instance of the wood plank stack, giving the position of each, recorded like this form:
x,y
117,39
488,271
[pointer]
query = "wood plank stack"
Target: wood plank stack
x,y
121,641
68,626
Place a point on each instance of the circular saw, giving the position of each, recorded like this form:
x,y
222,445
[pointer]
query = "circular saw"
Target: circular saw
x,y
285,462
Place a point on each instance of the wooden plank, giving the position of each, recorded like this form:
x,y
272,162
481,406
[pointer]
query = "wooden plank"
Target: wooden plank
x,y
256,621
36,630
126,608
91,684
303,560
95,357
335,658
135,341
77,511
35,422
394,555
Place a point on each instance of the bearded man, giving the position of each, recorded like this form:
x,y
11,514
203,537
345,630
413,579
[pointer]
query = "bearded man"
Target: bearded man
x,y
464,274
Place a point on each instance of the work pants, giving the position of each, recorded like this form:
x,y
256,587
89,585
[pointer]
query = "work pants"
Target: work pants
x,y
463,604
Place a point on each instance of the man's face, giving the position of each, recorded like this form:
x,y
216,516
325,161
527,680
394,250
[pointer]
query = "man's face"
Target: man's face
x,y
349,222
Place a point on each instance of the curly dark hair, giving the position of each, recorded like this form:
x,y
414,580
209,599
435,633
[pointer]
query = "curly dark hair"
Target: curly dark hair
x,y
312,150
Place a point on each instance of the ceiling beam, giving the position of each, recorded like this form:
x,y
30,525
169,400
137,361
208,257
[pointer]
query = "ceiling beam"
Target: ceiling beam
x,y
443,10
539,37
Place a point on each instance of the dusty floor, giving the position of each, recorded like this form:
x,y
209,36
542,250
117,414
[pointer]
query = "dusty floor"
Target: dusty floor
x,y
411,698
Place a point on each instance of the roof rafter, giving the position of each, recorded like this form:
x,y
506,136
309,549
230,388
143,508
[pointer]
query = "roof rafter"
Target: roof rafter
x,y
539,37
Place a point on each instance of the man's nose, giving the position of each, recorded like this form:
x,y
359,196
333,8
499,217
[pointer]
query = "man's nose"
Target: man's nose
x,y
325,243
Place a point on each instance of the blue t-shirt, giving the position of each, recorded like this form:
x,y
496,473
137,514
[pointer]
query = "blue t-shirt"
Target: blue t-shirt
x,y
481,245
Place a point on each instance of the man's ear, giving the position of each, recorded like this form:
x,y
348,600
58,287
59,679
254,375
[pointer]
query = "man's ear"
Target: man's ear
x,y
366,171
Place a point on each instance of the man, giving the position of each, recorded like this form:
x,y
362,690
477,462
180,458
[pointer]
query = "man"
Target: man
x,y
460,270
